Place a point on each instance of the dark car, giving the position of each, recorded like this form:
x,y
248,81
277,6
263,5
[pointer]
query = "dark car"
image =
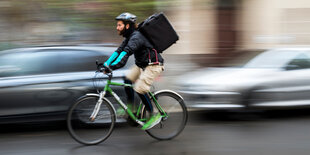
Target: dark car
x,y
40,83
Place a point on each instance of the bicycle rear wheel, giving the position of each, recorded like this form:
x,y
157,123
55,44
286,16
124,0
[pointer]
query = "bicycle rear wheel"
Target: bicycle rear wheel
x,y
174,123
88,132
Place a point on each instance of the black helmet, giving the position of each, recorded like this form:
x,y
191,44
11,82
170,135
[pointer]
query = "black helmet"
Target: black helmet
x,y
127,17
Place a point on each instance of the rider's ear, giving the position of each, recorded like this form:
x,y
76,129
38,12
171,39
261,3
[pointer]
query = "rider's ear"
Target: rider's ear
x,y
127,26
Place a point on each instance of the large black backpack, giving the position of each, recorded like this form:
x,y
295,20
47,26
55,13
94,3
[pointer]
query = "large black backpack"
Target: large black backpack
x,y
158,31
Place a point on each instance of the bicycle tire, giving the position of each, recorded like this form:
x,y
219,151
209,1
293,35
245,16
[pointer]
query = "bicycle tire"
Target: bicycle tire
x,y
173,104
89,132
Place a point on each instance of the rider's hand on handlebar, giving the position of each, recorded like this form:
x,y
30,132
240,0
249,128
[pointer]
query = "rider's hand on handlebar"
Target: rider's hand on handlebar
x,y
100,67
107,69
103,68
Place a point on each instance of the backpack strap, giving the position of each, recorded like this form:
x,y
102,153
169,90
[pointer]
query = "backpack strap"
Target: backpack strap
x,y
150,61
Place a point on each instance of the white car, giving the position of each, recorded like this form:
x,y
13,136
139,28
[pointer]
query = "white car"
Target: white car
x,y
277,78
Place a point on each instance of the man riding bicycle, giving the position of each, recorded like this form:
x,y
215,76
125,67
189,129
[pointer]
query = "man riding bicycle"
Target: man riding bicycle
x,y
148,63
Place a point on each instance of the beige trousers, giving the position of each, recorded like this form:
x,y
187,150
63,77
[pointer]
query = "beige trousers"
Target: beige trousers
x,y
143,79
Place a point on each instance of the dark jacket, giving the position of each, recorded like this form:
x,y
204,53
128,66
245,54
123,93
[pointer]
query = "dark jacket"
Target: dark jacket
x,y
138,45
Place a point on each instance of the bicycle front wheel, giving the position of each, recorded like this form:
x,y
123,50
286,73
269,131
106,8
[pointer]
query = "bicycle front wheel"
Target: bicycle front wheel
x,y
87,131
176,119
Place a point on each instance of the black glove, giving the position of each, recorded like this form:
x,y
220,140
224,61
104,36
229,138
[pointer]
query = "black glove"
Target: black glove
x,y
100,67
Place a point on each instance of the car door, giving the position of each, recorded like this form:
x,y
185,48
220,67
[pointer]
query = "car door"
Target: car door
x,y
290,86
74,78
24,77
80,66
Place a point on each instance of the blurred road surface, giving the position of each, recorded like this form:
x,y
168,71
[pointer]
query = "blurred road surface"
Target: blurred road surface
x,y
276,133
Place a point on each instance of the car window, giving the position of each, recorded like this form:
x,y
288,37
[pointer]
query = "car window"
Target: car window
x,y
28,63
272,59
302,61
80,60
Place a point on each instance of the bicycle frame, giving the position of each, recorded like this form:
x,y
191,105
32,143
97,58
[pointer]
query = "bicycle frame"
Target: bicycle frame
x,y
108,89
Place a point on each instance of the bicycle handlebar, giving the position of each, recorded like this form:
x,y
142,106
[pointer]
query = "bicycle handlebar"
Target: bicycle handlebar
x,y
102,68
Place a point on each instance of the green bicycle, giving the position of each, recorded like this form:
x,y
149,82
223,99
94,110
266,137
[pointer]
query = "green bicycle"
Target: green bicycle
x,y
91,119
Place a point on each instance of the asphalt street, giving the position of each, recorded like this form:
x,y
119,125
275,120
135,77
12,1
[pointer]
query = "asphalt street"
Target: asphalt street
x,y
206,133
268,133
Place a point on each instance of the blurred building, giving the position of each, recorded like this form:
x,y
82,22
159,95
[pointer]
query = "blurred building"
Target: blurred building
x,y
222,27
206,27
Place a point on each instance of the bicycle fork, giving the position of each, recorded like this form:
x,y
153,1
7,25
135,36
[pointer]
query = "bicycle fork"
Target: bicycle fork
x,y
97,107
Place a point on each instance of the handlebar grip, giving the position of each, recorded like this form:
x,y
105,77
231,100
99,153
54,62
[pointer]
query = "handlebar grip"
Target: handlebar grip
x,y
103,68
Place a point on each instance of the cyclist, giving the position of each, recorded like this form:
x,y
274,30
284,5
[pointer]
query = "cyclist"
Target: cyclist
x,y
148,63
